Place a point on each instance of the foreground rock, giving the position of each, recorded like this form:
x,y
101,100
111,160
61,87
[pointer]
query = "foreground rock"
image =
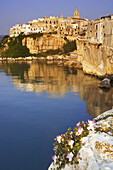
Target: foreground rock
x,y
97,148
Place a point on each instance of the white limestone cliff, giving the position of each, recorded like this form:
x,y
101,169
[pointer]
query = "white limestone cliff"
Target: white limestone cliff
x,y
97,148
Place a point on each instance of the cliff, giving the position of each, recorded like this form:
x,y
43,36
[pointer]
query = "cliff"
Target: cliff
x,y
97,59
43,43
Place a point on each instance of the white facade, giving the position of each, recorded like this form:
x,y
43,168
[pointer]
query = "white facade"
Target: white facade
x,y
26,29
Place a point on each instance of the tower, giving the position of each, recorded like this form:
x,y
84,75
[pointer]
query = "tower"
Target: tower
x,y
61,16
76,13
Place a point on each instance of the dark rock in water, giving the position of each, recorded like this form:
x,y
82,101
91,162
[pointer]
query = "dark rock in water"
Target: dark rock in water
x,y
105,83
109,76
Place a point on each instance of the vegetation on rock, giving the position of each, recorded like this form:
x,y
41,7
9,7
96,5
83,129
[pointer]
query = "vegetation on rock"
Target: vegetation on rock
x,y
16,49
34,36
67,145
69,46
4,41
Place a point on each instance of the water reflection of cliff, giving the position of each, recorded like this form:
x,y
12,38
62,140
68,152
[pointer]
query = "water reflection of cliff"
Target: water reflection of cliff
x,y
57,81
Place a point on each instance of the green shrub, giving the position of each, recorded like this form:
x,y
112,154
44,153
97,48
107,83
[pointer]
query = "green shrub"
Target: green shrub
x,y
35,35
16,51
15,48
4,41
69,46
54,32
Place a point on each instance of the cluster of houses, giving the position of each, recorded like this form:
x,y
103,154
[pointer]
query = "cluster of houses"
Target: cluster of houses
x,y
69,26
100,30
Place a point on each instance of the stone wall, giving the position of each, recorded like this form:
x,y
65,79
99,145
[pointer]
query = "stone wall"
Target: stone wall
x,y
44,43
96,58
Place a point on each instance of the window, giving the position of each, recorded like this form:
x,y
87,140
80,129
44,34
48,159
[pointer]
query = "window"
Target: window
x,y
104,34
54,22
96,27
46,22
96,34
50,22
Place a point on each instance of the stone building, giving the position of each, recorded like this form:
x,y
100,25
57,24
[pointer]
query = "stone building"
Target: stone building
x,y
101,30
72,25
15,30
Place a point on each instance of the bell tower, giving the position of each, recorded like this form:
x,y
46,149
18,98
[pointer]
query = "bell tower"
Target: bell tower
x,y
61,16
76,13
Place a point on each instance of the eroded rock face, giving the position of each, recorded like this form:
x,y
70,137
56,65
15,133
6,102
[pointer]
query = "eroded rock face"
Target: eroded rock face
x,y
44,43
96,58
97,148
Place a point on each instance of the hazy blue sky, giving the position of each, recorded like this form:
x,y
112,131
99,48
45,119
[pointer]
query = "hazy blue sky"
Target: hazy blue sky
x,y
22,11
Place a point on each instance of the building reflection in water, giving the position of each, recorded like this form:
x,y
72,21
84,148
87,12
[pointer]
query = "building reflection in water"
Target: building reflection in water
x,y
57,81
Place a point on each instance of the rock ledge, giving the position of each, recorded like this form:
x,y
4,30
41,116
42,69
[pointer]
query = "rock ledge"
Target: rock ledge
x,y
97,148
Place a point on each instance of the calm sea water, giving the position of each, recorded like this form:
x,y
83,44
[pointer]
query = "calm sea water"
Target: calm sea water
x,y
39,101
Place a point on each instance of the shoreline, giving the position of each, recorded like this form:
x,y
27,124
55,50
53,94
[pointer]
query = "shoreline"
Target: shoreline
x,y
71,61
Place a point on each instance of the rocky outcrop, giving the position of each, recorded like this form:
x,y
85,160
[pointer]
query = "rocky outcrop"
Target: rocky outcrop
x,y
97,148
105,83
44,43
96,58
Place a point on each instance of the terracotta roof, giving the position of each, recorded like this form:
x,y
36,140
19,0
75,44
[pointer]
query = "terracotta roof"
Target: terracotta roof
x,y
91,20
79,19
74,23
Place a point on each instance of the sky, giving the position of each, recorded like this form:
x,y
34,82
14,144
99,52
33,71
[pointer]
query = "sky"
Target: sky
x,y
14,12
